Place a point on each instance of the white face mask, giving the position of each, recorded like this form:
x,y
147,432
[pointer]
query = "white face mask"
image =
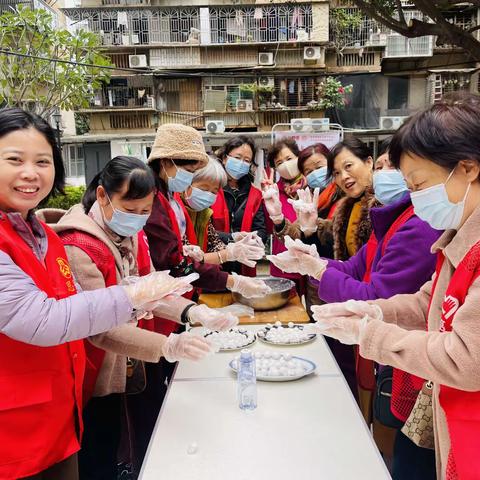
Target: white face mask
x,y
433,206
289,169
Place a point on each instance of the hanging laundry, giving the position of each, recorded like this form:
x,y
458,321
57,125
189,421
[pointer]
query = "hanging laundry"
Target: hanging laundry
x,y
258,13
283,85
297,17
141,93
239,17
291,86
122,19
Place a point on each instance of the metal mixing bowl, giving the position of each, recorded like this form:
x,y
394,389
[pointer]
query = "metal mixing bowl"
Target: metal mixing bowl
x,y
277,298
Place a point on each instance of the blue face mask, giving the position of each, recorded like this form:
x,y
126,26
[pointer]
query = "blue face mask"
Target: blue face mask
x,y
181,181
200,199
125,224
318,178
236,168
389,186
434,207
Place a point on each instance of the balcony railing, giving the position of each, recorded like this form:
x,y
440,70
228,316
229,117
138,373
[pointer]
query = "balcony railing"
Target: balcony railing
x,y
399,46
123,97
196,26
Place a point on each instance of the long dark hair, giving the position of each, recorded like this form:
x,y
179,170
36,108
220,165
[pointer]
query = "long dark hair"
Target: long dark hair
x,y
116,173
13,119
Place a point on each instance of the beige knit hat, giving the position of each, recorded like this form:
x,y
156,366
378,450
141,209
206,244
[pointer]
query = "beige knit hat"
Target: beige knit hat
x,y
178,142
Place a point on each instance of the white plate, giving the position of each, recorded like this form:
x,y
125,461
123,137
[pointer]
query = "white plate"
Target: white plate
x,y
310,364
245,345
262,333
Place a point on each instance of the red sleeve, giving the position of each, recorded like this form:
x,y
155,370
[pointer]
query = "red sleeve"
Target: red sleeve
x,y
164,250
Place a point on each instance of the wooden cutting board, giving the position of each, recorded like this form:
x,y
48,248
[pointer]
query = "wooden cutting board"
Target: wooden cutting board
x,y
293,311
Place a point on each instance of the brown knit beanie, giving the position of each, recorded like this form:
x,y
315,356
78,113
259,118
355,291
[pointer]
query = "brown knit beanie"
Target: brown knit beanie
x,y
178,142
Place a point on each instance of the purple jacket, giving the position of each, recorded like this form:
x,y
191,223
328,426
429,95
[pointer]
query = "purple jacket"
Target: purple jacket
x,y
405,266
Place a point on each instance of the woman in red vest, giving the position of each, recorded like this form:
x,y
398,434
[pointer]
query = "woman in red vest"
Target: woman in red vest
x,y
438,152
178,151
208,246
42,318
103,247
238,208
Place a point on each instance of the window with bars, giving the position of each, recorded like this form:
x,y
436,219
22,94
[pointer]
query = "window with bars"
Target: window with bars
x,y
74,161
123,97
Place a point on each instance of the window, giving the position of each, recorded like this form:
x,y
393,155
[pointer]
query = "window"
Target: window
x,y
74,161
397,93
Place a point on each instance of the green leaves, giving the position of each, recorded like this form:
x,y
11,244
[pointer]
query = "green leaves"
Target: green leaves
x,y
331,93
32,72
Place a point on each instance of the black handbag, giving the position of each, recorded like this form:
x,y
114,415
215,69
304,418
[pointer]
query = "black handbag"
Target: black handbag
x,y
383,399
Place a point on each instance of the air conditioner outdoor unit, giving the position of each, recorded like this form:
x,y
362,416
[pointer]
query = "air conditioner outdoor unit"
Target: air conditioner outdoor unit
x,y
265,58
391,123
299,124
312,53
244,105
266,81
215,126
320,124
137,61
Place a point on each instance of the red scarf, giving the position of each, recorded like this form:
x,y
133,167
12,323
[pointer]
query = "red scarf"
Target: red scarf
x,y
221,217
462,409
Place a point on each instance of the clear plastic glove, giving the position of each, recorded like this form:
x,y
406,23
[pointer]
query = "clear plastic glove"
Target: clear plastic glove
x,y
306,208
356,309
249,287
238,309
253,238
146,292
194,252
186,346
345,329
244,252
271,199
211,318
299,258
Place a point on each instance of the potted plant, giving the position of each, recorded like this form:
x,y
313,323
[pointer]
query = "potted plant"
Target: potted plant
x,y
331,94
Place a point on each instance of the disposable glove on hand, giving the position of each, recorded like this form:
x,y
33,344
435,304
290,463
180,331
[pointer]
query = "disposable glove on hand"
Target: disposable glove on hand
x,y
253,238
146,292
271,199
306,208
345,329
185,346
194,252
244,252
299,258
211,318
356,309
249,287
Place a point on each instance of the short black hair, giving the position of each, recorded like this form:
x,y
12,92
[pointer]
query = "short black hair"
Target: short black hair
x,y
384,146
117,172
444,133
277,147
13,119
354,145
236,142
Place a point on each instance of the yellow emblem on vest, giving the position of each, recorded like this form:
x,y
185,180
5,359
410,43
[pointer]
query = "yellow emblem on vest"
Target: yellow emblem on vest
x,y
64,267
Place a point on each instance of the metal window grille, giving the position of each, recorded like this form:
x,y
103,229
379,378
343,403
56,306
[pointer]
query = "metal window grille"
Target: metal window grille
x,y
400,46
123,97
273,23
74,162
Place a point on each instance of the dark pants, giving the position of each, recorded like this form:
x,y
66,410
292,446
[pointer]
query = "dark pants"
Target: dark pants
x,y
102,419
411,462
65,470
143,409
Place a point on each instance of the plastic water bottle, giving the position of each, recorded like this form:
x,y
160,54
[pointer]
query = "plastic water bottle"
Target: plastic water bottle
x,y
247,381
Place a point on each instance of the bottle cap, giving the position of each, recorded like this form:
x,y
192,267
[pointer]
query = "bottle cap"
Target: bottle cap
x,y
245,354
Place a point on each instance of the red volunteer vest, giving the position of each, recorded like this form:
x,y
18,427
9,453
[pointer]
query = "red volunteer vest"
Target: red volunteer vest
x,y
365,368
190,229
103,258
462,409
40,387
221,217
